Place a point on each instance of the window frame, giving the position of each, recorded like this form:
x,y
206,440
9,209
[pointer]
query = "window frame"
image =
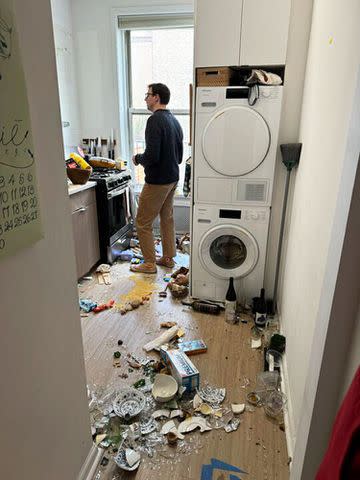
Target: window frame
x,y
124,72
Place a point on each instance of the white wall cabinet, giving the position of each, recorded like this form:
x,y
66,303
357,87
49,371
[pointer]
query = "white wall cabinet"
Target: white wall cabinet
x,y
241,32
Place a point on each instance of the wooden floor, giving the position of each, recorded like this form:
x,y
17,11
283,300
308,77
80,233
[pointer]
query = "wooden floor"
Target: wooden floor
x,y
258,446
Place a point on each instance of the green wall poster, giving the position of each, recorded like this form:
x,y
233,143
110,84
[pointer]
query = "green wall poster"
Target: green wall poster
x,y
20,224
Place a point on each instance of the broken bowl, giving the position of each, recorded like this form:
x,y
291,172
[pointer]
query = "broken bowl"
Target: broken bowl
x,y
127,459
129,403
164,388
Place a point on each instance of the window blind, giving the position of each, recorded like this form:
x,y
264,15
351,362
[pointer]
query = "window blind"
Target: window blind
x,y
145,22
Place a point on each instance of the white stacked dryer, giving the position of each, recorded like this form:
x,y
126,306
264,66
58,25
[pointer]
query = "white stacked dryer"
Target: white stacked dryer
x,y
235,145
234,161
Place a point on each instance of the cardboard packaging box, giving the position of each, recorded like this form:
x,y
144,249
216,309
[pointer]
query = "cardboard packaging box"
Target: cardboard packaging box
x,y
182,369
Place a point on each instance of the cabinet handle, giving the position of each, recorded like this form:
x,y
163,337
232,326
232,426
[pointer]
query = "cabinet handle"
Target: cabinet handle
x,y
81,209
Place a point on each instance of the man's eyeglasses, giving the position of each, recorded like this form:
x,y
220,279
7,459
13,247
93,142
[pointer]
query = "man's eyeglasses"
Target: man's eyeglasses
x,y
147,94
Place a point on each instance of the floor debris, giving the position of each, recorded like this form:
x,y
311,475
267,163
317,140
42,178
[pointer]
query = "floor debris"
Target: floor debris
x,y
138,429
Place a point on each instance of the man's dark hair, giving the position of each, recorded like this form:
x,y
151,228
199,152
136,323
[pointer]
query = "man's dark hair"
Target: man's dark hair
x,y
161,90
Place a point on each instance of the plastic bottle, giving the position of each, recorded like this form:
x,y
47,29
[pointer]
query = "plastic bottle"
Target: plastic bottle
x,y
230,302
261,311
80,161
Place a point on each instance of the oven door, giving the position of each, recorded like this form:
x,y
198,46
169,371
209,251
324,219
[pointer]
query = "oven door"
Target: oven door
x,y
119,214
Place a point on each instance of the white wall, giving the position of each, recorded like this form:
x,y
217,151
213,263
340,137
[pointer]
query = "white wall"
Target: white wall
x,y
96,61
66,71
45,428
330,84
296,57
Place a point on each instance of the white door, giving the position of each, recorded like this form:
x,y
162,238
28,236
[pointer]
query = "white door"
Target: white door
x,y
228,251
235,141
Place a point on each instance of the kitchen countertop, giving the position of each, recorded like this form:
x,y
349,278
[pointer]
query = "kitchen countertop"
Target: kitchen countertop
x,y
79,188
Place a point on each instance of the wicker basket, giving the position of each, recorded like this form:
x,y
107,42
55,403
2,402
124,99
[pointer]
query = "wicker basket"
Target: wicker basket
x,y
78,176
213,76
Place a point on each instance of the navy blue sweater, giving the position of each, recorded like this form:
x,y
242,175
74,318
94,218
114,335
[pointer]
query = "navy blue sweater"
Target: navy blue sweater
x,y
164,148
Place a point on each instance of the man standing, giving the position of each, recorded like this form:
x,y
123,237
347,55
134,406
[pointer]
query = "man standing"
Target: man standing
x,y
161,159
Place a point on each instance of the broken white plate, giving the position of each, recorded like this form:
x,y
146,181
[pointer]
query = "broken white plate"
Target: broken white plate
x,y
122,456
164,388
167,427
176,413
191,423
171,427
161,413
238,407
197,401
132,457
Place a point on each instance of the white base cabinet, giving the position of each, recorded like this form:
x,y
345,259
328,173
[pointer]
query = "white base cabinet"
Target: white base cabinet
x,y
85,230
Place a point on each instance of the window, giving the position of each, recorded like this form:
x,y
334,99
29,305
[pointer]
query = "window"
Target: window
x,y
156,49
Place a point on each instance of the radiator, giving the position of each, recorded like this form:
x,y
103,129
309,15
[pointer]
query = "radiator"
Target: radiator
x,y
182,219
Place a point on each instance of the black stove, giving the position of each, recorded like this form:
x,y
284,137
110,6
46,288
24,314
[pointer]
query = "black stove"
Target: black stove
x,y
110,178
114,209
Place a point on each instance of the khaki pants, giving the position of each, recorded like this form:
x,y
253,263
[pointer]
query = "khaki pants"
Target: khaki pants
x,y
156,200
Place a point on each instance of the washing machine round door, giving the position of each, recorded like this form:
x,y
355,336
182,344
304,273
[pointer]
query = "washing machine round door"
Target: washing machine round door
x,y
228,251
235,141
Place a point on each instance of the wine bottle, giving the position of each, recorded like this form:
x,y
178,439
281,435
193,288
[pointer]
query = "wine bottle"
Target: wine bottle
x,y
230,302
261,311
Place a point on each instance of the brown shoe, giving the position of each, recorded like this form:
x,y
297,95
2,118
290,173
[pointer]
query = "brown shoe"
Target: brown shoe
x,y
144,268
167,262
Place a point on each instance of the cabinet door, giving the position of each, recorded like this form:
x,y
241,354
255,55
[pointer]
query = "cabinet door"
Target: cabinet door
x,y
217,32
86,238
264,32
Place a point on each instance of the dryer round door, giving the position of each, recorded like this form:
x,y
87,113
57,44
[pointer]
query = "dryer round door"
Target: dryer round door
x,y
228,251
235,141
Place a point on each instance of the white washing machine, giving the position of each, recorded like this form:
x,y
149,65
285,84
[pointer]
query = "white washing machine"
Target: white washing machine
x,y
235,145
228,241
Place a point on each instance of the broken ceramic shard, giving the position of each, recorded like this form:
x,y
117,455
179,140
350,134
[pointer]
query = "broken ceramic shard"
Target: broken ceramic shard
x,y
212,395
129,403
167,427
191,423
238,407
122,456
176,413
147,426
132,457
256,343
164,388
197,401
232,425
205,409
171,427
161,413
100,438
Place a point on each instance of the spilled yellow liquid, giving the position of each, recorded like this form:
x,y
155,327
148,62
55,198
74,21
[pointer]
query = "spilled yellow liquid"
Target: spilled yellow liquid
x,y
142,288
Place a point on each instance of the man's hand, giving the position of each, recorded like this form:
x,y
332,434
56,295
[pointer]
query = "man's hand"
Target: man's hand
x,y
134,160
